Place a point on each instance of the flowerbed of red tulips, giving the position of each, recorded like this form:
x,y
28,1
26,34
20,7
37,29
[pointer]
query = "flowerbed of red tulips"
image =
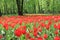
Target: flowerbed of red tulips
x,y
30,28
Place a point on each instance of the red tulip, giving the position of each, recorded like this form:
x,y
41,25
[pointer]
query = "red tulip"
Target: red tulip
x,y
15,21
23,27
40,30
47,27
20,22
35,29
27,35
1,36
58,26
18,32
43,25
35,34
12,25
45,36
55,19
23,31
32,39
5,25
39,38
0,22
55,26
56,38
49,23
30,20
56,32
8,20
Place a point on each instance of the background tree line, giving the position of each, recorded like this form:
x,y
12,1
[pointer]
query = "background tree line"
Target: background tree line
x,y
9,7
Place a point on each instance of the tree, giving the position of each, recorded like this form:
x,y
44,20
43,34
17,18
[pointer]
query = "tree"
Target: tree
x,y
20,6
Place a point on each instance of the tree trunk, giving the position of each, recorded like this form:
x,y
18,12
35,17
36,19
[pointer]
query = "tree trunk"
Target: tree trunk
x,y
20,6
0,13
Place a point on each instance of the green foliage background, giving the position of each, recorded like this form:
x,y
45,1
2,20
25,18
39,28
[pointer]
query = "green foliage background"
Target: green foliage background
x,y
30,6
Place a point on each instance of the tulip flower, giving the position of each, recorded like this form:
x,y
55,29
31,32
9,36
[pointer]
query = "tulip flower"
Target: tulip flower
x,y
35,34
42,24
23,31
56,32
35,29
6,26
47,27
12,25
31,38
1,36
45,36
27,35
56,38
20,22
39,38
18,32
40,30
58,26
55,26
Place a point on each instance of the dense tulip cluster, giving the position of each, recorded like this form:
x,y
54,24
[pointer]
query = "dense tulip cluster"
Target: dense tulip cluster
x,y
30,28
